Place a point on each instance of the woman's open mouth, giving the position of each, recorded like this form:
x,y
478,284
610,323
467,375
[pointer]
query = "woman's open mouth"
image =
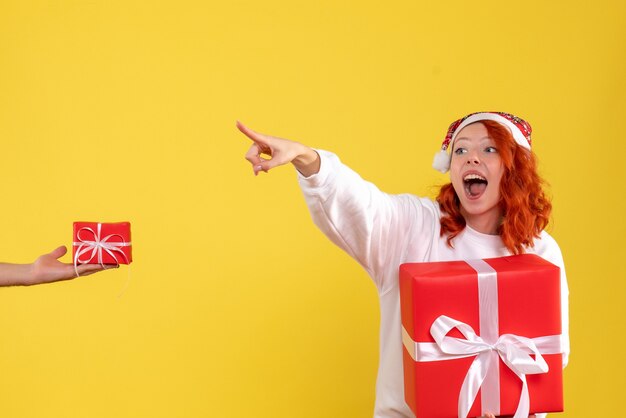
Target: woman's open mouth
x,y
474,185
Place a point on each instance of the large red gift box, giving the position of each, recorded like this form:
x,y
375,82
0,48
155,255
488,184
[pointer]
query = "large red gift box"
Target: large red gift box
x,y
102,243
461,317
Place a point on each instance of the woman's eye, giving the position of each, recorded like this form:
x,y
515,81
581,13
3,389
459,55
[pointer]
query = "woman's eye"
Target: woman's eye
x,y
459,151
491,149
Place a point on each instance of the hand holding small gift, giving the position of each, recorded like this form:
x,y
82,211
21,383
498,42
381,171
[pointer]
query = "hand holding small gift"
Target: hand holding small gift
x,y
45,269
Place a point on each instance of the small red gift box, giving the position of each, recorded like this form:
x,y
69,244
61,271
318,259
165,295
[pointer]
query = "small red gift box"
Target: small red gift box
x,y
482,336
102,243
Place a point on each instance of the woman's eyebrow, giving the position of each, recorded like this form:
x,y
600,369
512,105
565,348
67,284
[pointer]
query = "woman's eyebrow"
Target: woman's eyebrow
x,y
463,138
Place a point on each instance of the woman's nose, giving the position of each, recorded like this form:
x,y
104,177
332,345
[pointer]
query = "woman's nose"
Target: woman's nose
x,y
472,158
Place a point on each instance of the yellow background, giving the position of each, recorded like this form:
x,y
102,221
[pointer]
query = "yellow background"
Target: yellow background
x,y
237,306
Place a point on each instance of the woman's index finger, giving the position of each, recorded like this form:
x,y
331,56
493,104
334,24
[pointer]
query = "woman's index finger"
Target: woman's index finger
x,y
255,136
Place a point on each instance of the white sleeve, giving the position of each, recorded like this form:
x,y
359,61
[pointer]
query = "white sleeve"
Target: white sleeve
x,y
371,226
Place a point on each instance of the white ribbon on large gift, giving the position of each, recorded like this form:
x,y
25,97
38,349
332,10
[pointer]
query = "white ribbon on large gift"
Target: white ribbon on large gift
x,y
515,351
97,246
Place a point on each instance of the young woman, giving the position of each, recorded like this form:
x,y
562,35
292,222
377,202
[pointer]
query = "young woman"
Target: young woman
x,y
494,206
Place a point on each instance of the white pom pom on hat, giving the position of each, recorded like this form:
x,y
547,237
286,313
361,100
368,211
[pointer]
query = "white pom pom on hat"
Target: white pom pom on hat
x,y
520,129
442,161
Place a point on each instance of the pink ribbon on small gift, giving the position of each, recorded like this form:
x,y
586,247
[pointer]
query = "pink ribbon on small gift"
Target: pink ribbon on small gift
x,y
515,351
97,245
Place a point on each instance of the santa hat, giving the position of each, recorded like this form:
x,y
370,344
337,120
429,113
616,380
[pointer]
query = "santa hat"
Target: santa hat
x,y
520,129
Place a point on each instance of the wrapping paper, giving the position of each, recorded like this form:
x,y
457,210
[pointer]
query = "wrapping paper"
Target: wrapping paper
x,y
102,243
482,336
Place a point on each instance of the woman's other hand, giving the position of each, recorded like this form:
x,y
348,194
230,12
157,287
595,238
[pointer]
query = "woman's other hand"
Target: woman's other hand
x,y
280,152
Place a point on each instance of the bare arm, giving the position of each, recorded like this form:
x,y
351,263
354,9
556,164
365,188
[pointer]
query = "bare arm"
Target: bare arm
x,y
45,269
281,151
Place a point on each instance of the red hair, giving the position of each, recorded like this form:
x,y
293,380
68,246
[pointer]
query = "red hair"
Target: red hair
x,y
524,205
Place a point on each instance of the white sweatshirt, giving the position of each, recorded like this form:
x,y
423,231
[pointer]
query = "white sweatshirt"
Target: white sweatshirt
x,y
382,231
